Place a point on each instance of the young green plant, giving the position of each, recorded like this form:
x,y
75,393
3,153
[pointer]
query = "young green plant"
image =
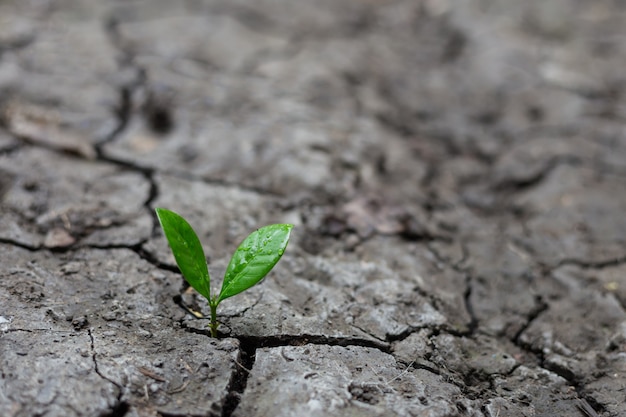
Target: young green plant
x,y
250,263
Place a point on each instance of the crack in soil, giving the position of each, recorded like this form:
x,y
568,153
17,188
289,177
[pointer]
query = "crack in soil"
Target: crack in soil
x,y
121,407
20,245
586,264
271,341
16,44
123,113
239,379
11,148
467,298
566,374
540,307
247,356
467,293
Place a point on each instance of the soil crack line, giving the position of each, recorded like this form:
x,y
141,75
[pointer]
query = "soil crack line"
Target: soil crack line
x,y
239,378
121,407
540,308
593,264
20,245
95,362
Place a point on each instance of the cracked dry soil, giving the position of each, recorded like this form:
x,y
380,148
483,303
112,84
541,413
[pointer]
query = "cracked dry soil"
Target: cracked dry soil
x,y
456,172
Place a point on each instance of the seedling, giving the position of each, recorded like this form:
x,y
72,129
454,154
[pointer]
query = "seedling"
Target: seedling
x,y
250,263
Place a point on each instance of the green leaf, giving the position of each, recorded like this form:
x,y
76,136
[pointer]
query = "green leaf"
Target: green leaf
x,y
254,258
187,250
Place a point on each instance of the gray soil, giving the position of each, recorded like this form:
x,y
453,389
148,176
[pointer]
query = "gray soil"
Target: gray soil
x,y
456,174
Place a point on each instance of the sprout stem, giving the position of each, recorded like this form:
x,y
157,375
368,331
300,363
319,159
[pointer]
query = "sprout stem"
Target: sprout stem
x,y
214,324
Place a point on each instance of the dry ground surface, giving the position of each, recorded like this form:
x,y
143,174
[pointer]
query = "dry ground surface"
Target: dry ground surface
x,y
456,174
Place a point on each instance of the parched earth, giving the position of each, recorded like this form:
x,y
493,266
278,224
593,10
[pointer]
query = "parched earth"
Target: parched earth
x,y
455,171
